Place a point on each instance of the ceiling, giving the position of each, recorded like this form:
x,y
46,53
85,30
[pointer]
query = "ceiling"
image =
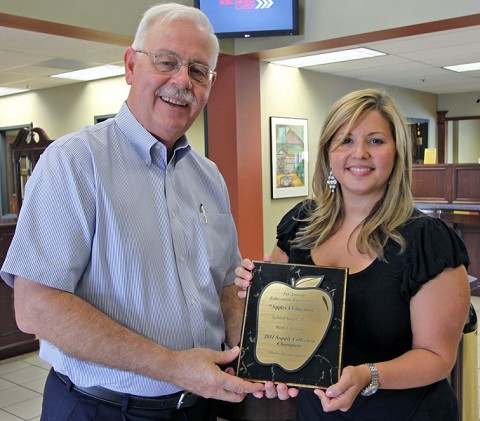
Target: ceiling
x,y
413,62
416,62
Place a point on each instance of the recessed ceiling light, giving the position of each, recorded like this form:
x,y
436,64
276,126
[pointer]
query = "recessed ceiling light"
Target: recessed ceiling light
x,y
10,91
327,58
468,67
93,73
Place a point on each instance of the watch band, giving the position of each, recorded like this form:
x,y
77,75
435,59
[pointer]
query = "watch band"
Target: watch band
x,y
372,387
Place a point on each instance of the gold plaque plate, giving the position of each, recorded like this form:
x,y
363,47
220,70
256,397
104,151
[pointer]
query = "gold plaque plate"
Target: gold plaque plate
x,y
293,325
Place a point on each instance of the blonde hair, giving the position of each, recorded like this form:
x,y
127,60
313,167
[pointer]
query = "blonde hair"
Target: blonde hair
x,y
392,210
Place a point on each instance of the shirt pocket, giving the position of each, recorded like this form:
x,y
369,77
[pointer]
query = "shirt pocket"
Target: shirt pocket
x,y
220,238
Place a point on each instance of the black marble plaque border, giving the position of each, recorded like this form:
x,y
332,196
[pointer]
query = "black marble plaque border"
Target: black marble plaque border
x,y
324,368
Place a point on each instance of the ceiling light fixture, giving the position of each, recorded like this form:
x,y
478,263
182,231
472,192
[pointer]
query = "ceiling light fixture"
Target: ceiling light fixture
x,y
468,67
327,58
11,91
93,73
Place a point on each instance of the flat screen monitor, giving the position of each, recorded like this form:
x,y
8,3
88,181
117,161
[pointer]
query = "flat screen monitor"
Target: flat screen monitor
x,y
251,18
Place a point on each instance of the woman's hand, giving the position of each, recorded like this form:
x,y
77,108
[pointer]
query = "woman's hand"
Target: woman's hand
x,y
244,276
280,391
341,395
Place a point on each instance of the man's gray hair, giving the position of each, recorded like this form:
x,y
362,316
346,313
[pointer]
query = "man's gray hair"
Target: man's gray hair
x,y
169,12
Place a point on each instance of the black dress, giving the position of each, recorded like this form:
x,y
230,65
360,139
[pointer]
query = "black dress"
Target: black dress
x,y
377,318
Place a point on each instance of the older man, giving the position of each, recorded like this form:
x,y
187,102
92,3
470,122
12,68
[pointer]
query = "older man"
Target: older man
x,y
125,249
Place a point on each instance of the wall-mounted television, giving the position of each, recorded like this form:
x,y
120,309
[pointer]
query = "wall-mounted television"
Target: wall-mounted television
x,y
251,18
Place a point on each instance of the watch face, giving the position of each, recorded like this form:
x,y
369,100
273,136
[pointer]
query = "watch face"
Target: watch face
x,y
369,391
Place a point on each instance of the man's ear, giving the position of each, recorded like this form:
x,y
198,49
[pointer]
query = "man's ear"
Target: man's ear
x,y
129,58
214,78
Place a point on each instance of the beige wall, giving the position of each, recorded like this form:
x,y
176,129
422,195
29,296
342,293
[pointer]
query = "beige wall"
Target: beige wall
x,y
285,92
459,105
466,141
64,109
464,136
67,108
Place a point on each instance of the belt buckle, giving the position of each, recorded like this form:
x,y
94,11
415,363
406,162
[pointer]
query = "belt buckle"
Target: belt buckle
x,y
182,397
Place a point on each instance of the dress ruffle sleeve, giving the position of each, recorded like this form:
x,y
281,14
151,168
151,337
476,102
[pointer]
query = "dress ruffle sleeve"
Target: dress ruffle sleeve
x,y
432,246
290,223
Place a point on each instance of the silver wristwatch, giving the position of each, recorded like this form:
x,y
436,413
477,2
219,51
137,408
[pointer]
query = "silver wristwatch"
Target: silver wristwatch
x,y
372,387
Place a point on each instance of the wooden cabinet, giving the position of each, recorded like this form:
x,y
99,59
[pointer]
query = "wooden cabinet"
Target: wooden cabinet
x,y
452,192
13,341
432,183
27,148
447,183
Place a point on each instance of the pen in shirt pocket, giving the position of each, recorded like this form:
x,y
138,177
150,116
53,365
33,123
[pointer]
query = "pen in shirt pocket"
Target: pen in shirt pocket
x,y
202,211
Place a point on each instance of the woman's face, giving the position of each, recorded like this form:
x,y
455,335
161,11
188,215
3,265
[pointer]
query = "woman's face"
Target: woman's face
x,y
363,159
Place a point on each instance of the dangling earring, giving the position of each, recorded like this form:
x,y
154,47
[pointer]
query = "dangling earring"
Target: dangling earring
x,y
332,182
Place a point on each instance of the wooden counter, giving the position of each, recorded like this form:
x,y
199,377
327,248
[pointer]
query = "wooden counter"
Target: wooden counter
x,y
451,192
456,184
466,222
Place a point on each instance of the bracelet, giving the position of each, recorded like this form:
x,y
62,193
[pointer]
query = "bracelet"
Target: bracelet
x,y
372,387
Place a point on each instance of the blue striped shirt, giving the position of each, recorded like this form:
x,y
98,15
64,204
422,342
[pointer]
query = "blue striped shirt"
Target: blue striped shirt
x,y
108,218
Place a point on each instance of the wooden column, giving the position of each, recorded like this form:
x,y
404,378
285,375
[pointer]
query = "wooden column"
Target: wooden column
x,y
442,136
234,143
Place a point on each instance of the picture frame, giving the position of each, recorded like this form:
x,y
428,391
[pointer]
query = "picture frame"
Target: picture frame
x,y
289,157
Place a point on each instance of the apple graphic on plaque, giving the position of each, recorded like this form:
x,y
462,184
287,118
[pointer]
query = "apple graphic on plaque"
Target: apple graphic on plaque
x,y
293,325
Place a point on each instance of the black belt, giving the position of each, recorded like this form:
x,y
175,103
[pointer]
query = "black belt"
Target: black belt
x,y
175,401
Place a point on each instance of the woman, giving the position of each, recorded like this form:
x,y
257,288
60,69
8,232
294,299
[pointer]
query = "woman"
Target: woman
x,y
407,290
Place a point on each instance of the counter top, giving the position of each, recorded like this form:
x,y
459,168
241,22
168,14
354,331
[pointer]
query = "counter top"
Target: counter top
x,y
473,282
446,206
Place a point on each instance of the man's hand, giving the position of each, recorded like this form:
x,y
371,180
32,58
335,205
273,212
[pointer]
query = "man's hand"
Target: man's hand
x,y
197,370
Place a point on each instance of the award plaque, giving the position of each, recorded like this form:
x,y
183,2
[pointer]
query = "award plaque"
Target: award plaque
x,y
293,325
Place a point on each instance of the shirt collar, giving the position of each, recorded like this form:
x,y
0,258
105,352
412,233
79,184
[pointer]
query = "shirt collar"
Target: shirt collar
x,y
144,143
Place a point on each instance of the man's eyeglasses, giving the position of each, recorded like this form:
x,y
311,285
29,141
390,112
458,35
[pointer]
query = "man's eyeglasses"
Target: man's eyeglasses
x,y
169,65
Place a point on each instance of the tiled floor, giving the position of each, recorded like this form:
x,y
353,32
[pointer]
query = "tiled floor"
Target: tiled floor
x,y
22,379
21,387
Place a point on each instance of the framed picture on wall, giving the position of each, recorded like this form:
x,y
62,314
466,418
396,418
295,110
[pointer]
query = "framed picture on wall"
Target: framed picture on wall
x,y
289,160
